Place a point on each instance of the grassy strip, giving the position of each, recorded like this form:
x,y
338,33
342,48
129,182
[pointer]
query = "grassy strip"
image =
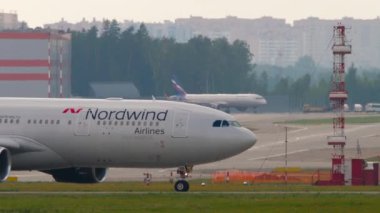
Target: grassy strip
x,y
195,186
185,202
159,200
349,120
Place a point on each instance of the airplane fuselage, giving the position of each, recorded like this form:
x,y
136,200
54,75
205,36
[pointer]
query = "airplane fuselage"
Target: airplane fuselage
x,y
234,100
44,134
225,100
219,101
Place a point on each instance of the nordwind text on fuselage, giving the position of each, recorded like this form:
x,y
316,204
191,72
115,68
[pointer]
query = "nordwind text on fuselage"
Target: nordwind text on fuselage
x,y
144,115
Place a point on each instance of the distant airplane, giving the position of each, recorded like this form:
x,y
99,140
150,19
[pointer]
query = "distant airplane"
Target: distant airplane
x,y
76,140
219,101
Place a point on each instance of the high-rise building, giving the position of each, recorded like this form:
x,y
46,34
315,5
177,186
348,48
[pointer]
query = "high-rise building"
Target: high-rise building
x,y
8,21
271,40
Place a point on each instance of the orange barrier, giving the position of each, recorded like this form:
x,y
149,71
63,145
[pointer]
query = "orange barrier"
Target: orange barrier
x,y
306,177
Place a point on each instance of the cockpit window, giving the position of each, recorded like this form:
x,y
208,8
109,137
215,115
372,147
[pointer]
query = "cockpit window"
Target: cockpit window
x,y
217,123
235,123
225,123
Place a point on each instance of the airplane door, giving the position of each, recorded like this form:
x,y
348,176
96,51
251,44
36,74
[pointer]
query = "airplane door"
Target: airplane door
x,y
180,124
82,126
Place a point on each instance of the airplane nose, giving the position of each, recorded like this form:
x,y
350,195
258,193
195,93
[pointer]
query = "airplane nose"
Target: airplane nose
x,y
248,139
239,141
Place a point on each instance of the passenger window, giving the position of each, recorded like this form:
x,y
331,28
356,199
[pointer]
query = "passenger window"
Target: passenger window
x,y
115,123
121,123
11,121
29,121
46,121
5,120
217,123
104,123
57,121
98,123
109,122
69,122
51,121
225,123
17,121
157,123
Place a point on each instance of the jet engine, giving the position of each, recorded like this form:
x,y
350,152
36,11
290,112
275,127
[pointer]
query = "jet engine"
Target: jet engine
x,y
79,175
5,163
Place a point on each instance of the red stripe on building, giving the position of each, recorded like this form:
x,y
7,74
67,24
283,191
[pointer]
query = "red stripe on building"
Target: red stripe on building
x,y
24,76
19,35
24,63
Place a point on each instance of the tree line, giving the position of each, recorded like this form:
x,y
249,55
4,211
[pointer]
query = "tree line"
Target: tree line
x,y
202,65
312,85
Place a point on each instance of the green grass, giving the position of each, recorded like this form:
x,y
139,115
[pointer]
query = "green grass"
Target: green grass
x,y
187,202
349,120
159,197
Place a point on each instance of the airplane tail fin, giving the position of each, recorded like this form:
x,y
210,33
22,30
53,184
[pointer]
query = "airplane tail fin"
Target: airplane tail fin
x,y
178,88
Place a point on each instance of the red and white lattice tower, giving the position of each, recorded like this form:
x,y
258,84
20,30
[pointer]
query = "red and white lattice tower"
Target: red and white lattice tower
x,y
338,96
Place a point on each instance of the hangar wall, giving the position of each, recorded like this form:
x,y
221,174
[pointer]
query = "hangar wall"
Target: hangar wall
x,y
35,64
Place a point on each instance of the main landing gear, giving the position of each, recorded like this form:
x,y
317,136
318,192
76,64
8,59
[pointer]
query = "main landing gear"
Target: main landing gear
x,y
182,185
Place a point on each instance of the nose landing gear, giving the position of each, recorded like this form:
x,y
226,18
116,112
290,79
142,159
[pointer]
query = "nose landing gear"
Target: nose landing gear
x,y
182,185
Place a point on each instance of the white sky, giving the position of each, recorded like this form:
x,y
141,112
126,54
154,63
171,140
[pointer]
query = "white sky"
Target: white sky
x,y
39,12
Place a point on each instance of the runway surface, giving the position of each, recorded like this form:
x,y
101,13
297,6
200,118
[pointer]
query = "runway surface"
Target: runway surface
x,y
307,148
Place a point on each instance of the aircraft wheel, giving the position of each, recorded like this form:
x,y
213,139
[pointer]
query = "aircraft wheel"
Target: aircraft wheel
x,y
181,186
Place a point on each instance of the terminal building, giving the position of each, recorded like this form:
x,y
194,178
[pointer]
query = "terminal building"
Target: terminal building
x,y
35,64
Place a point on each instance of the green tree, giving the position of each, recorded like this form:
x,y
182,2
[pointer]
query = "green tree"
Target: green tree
x,y
352,85
282,87
304,65
263,84
142,72
299,91
202,65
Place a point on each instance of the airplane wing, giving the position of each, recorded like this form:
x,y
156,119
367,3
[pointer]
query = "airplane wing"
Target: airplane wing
x,y
17,144
35,155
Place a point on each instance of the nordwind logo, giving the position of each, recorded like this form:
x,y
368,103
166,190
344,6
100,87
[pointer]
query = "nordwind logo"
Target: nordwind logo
x,y
72,110
121,114
124,114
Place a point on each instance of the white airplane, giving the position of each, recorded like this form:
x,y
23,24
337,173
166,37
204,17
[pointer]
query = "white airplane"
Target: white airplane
x,y
76,140
219,101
